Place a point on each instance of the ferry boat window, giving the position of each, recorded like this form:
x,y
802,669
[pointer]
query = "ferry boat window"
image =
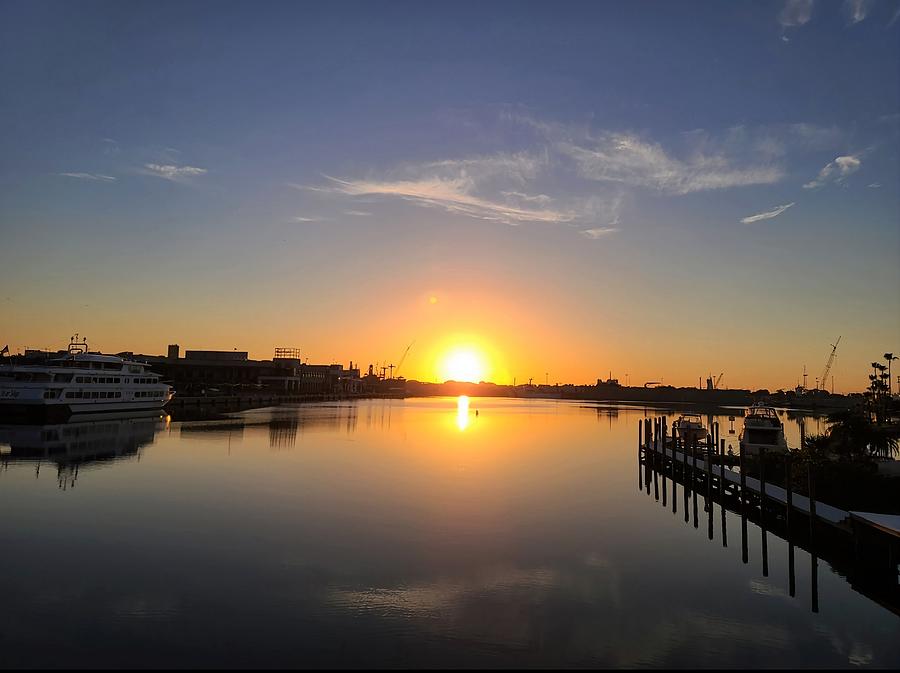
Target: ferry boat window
x,y
63,378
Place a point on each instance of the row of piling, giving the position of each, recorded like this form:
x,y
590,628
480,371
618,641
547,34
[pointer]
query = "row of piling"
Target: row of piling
x,y
659,445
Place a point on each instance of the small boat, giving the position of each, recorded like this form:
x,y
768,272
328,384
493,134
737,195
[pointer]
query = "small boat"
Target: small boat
x,y
689,428
80,381
762,430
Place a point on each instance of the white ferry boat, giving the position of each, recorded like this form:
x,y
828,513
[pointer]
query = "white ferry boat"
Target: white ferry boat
x,y
80,381
762,430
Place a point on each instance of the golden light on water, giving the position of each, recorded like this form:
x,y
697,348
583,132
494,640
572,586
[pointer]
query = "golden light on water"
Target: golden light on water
x,y
462,412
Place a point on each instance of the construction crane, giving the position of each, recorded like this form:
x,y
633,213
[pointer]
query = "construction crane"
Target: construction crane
x,y
405,353
828,364
713,383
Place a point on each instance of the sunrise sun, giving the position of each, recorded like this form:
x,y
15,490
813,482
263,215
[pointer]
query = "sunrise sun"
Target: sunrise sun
x,y
463,363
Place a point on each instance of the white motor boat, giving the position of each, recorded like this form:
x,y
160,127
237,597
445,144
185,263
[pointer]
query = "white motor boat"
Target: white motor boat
x,y
762,430
689,428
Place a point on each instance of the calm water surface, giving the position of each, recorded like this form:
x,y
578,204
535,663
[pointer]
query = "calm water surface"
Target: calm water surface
x,y
392,533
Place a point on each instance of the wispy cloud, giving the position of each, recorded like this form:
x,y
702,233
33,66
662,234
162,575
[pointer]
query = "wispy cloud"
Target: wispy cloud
x,y
856,9
452,194
110,146
795,13
573,174
358,213
517,167
173,172
490,187
630,160
768,215
894,17
874,185
89,176
598,232
542,199
313,218
835,171
814,136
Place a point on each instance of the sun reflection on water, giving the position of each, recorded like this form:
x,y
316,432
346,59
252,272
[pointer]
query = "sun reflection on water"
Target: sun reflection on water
x,y
462,412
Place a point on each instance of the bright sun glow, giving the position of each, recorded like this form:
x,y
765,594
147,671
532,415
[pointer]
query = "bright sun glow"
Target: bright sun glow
x,y
463,364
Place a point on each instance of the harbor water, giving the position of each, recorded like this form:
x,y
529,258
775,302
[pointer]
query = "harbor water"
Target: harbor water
x,y
421,532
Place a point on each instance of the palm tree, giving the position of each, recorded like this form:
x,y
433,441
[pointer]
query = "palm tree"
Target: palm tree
x,y
853,435
889,357
815,448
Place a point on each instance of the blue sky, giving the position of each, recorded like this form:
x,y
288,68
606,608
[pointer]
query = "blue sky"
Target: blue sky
x,y
204,164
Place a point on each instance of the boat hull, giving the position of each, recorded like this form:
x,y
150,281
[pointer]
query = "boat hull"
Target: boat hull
x,y
755,449
40,411
690,435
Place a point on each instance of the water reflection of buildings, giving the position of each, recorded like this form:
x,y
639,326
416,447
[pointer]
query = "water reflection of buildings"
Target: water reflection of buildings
x,y
379,416
84,443
284,424
608,413
284,429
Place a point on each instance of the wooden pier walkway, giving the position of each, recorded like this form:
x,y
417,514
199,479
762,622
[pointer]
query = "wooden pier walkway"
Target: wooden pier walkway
x,y
824,512
707,461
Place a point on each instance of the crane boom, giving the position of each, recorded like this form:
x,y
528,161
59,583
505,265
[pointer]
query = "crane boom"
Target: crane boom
x,y
718,381
405,353
828,364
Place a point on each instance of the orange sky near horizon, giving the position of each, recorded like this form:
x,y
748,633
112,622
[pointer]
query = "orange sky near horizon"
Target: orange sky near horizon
x,y
519,334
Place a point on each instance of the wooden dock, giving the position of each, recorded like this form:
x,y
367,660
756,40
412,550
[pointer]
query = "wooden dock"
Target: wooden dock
x,y
864,547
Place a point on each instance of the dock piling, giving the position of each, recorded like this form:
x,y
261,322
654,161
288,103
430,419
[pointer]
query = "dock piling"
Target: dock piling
x,y
813,559
743,495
